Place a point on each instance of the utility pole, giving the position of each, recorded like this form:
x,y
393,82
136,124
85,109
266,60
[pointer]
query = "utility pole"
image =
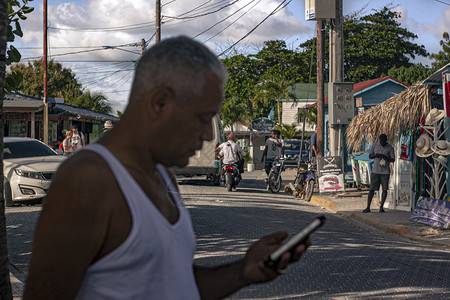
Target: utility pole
x,y
336,75
45,76
320,45
142,47
158,21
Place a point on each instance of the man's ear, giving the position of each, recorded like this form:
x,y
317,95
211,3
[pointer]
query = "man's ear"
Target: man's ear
x,y
159,100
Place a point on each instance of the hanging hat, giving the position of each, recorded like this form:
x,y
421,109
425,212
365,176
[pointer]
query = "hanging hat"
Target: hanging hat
x,y
423,146
441,147
108,125
434,116
442,159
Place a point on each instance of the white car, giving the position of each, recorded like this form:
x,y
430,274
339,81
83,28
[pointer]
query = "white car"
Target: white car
x,y
28,168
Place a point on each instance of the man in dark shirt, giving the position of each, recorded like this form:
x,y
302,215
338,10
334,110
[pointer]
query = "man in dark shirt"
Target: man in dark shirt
x,y
382,153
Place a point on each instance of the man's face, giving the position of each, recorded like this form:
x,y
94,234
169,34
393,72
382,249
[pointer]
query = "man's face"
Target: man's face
x,y
190,124
383,141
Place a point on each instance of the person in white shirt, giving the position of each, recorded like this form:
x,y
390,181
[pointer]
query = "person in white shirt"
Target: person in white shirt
x,y
77,138
230,151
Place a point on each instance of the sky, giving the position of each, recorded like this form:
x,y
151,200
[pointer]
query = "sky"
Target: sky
x,y
101,40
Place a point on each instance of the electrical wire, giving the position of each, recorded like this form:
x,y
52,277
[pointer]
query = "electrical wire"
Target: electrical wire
x,y
202,15
442,2
223,20
232,23
254,28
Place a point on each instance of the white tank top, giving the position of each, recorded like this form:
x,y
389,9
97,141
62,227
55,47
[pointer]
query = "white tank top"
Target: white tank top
x,y
156,259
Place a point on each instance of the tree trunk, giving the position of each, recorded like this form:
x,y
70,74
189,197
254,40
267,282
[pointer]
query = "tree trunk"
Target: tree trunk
x,y
5,283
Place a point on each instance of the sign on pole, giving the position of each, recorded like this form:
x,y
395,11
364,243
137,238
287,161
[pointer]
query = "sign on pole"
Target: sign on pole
x,y
331,174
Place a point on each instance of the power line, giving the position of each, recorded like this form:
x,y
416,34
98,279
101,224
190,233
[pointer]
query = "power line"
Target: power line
x,y
202,15
442,2
223,20
277,9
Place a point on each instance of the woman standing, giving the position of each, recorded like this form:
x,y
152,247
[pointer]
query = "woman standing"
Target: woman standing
x,y
67,143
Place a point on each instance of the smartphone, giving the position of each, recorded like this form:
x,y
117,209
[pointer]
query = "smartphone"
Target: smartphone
x,y
294,241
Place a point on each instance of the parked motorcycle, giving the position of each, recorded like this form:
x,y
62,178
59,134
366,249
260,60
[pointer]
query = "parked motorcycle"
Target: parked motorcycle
x,y
274,180
230,176
305,181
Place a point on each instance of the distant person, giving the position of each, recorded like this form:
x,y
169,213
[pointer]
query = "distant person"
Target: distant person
x,y
232,153
313,153
383,154
67,143
114,225
107,126
77,138
274,148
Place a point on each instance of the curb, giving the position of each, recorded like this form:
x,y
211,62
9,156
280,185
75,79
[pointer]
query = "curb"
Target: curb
x,y
383,226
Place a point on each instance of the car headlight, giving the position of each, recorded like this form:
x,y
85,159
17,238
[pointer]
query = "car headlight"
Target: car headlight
x,y
35,175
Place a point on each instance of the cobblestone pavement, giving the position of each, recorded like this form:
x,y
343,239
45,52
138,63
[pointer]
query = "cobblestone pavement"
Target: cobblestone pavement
x,y
348,260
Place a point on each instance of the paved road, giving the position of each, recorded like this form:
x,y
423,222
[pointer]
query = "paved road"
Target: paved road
x,y
347,260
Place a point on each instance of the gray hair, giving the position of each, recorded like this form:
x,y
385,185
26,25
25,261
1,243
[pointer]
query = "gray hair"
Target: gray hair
x,y
177,63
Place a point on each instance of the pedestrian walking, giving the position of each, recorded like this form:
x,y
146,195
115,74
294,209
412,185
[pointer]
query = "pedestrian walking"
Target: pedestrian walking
x,y
383,154
77,138
67,143
126,233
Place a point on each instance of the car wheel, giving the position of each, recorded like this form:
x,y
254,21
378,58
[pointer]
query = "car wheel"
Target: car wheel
x,y
7,194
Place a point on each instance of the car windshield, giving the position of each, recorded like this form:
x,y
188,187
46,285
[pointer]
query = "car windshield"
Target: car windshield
x,y
26,149
294,146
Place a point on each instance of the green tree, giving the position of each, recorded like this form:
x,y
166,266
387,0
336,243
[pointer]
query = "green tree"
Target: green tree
x,y
11,12
5,283
288,131
272,89
411,74
62,83
16,12
373,44
442,57
310,115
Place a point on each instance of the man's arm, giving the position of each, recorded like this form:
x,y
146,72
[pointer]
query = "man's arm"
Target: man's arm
x,y
264,154
70,232
219,282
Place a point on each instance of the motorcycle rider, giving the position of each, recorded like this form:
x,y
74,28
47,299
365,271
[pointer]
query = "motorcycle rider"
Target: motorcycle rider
x,y
231,153
274,149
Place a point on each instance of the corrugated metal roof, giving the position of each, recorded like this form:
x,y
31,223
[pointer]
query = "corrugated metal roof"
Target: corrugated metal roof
x,y
436,77
82,112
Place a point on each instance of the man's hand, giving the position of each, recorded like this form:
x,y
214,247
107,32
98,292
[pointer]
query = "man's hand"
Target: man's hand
x,y
254,269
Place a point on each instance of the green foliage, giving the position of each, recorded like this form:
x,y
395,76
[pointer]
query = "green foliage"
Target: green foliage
x,y
442,57
375,43
119,113
16,12
288,131
62,83
311,115
411,74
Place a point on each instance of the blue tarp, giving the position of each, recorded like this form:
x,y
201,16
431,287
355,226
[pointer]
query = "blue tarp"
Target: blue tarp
x,y
364,157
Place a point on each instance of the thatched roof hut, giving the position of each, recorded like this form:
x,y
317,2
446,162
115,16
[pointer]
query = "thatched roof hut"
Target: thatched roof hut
x,y
402,111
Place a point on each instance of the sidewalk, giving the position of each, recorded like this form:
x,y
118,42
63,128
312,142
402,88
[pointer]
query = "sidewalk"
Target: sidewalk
x,y
352,202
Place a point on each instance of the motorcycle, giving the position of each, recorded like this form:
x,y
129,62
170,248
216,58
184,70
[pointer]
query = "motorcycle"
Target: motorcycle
x,y
274,180
305,181
230,176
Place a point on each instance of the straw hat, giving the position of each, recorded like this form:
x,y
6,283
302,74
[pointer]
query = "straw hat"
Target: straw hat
x,y
441,147
434,116
108,125
423,146
442,159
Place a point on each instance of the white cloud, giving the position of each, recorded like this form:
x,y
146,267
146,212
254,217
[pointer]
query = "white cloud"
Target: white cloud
x,y
121,14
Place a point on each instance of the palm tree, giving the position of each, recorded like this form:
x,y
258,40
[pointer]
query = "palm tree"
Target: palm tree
x,y
271,89
288,131
5,283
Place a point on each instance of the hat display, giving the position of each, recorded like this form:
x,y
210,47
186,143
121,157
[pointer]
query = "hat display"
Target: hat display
x,y
434,116
423,146
441,147
442,159
108,125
